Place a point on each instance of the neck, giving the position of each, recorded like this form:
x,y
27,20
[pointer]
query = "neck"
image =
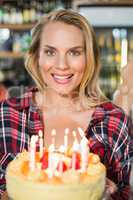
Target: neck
x,y
53,100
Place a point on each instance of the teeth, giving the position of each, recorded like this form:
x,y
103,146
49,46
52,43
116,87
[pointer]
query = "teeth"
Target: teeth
x,y
62,77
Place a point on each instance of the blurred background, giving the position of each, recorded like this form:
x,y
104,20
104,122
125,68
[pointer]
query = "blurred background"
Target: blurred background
x,y
112,22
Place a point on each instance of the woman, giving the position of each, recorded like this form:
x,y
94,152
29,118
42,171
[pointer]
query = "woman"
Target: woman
x,y
63,60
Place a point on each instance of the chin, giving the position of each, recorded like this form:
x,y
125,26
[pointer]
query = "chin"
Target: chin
x,y
64,92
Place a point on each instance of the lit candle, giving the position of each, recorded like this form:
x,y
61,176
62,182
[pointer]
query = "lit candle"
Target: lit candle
x,y
33,141
51,161
75,146
84,139
84,157
81,132
60,166
75,149
40,143
66,138
84,146
73,161
74,134
51,157
53,134
28,144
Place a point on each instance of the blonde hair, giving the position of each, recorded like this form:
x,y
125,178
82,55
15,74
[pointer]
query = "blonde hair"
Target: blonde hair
x,y
88,91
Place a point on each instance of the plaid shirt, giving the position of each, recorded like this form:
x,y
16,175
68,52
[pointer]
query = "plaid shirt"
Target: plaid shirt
x,y
108,132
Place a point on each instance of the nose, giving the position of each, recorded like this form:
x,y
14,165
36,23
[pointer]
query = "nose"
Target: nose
x,y
62,62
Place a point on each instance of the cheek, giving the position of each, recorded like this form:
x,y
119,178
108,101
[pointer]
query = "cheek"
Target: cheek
x,y
79,65
44,63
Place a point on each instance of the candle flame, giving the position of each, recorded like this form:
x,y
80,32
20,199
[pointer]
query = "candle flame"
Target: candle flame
x,y
40,133
81,132
74,134
66,131
53,132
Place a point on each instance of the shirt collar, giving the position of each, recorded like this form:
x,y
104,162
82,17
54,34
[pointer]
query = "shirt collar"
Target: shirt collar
x,y
24,101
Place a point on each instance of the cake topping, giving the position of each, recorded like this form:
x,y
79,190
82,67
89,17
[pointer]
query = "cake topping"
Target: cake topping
x,y
57,161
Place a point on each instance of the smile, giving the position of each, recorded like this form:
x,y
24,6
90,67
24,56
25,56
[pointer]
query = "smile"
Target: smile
x,y
62,79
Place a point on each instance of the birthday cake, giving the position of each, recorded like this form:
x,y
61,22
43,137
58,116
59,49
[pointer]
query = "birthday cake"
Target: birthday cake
x,y
56,174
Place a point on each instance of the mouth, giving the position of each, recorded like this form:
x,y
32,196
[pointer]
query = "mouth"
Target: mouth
x,y
62,79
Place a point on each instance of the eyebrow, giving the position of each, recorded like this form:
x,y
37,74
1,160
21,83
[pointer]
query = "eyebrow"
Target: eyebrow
x,y
77,47
48,46
72,48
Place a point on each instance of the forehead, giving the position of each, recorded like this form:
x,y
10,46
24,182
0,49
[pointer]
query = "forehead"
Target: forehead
x,y
62,33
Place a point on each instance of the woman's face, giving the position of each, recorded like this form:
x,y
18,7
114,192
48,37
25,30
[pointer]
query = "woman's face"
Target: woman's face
x,y
62,57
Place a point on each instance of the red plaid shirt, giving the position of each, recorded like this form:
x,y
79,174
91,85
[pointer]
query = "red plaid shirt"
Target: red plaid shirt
x,y
108,132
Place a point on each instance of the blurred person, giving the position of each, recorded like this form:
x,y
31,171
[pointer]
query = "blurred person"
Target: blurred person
x,y
3,92
123,96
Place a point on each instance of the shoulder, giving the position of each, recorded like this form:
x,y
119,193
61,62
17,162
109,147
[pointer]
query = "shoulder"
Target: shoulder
x,y
111,116
111,123
18,103
110,109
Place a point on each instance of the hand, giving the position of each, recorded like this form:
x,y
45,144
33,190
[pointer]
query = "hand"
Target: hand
x,y
4,196
110,186
110,189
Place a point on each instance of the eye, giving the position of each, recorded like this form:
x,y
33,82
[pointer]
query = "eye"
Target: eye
x,y
49,52
74,53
